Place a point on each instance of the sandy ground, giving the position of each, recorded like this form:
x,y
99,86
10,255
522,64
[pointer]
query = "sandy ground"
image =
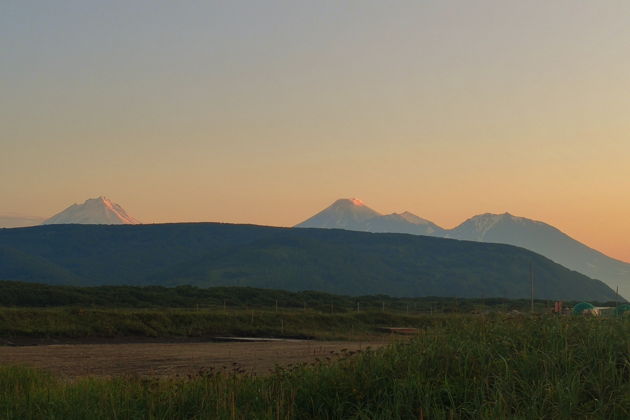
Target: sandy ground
x,y
171,359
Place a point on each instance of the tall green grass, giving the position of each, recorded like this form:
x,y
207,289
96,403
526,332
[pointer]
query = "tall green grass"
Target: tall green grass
x,y
461,367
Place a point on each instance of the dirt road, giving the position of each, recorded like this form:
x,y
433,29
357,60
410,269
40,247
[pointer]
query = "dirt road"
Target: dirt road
x,y
170,359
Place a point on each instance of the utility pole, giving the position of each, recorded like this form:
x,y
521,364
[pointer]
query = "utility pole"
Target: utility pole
x,y
531,280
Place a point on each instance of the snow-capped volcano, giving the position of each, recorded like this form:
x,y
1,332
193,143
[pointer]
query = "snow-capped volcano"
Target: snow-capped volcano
x,y
95,211
345,213
353,214
484,227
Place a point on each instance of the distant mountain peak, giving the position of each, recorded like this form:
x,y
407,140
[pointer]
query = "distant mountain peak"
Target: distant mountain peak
x,y
97,211
345,213
349,202
488,220
478,226
353,214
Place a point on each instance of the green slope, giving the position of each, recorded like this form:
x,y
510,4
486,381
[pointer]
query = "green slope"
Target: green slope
x,y
334,261
18,265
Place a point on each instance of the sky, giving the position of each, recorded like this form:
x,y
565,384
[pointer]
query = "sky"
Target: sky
x,y
267,111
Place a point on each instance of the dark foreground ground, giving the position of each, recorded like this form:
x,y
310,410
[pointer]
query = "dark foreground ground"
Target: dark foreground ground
x,y
457,367
175,359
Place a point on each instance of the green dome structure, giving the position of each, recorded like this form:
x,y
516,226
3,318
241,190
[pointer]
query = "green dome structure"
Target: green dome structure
x,y
581,307
622,310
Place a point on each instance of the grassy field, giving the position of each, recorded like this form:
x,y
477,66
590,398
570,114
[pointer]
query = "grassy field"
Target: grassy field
x,y
38,311
470,366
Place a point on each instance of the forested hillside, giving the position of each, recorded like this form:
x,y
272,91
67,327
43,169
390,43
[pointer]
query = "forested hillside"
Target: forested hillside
x,y
334,261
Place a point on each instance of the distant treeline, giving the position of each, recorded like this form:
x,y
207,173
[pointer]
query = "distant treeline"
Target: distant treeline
x,y
22,294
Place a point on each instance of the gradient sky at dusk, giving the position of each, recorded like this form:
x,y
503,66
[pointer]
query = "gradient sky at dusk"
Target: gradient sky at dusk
x,y
267,111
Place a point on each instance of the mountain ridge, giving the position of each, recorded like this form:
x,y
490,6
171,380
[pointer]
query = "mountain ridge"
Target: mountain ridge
x,y
506,228
329,260
353,214
14,221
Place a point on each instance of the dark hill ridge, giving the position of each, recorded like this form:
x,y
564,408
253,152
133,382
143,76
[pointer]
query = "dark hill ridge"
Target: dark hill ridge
x,y
329,260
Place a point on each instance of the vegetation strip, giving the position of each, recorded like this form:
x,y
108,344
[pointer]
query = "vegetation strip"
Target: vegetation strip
x,y
76,323
24,294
